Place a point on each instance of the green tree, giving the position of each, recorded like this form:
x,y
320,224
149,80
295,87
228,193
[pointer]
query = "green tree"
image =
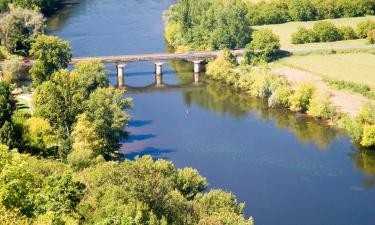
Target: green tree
x,y
7,102
51,54
263,47
105,111
19,28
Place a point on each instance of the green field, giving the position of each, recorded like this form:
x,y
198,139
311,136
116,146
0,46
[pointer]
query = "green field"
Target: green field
x,y
355,67
23,105
286,30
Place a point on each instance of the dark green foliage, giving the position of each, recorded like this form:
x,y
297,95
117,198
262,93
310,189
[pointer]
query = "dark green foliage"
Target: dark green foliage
x,y
51,54
7,102
208,24
326,31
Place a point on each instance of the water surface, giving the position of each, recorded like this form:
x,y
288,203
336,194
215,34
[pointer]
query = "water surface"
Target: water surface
x,y
289,169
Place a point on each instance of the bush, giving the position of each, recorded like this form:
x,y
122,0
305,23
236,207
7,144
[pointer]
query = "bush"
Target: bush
x,y
362,89
364,27
303,35
327,31
12,71
280,97
268,12
263,47
348,33
368,139
371,37
221,66
321,106
19,28
300,99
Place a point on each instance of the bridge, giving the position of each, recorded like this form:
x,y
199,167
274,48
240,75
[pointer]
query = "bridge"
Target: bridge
x,y
159,59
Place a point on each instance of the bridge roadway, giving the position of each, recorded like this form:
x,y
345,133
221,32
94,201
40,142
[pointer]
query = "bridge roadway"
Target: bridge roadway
x,y
190,56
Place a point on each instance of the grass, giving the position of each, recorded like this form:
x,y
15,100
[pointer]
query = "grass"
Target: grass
x,y
286,30
351,67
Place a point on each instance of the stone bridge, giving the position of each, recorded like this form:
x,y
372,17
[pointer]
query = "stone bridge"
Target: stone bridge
x,y
158,58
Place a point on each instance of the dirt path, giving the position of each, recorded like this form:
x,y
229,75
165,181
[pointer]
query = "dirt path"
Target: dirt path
x,y
348,102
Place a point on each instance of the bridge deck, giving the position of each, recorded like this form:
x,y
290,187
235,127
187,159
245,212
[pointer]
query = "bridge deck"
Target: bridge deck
x,y
156,57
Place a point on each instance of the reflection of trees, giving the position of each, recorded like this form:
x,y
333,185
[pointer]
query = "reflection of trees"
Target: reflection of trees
x,y
184,71
364,161
226,101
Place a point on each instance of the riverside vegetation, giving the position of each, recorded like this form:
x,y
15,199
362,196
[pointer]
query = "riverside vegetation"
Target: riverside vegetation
x,y
59,163
190,27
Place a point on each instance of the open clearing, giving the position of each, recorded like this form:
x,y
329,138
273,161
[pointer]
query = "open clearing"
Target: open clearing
x,y
286,30
355,67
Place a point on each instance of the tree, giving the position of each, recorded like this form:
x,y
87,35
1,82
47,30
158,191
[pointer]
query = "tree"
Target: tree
x,y
7,102
51,54
105,111
19,28
38,135
263,47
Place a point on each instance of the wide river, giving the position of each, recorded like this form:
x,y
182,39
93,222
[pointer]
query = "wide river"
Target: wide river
x,y
289,169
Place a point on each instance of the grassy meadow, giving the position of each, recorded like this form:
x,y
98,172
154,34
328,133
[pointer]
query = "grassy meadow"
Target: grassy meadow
x,y
286,30
354,67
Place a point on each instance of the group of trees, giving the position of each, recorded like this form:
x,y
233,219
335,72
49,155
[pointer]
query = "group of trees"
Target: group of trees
x,y
44,6
325,31
58,164
281,11
208,24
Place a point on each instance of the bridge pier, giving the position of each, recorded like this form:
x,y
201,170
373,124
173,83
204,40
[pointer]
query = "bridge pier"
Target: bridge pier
x,y
121,75
196,78
159,80
159,68
197,66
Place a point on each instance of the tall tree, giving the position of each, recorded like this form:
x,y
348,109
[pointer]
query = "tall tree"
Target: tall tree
x,y
51,54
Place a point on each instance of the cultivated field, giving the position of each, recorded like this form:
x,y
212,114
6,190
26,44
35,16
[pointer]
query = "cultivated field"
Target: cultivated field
x,y
355,67
286,30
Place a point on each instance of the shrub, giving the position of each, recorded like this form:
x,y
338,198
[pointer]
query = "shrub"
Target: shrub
x,y
263,47
368,139
362,89
371,37
300,99
326,9
12,71
280,97
321,106
221,66
303,35
19,28
364,27
327,31
268,13
348,33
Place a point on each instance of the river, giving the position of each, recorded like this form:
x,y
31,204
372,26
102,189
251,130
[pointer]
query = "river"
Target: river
x,y
287,168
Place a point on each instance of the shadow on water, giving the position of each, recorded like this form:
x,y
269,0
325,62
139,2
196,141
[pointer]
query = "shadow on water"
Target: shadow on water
x,y
139,137
153,152
139,123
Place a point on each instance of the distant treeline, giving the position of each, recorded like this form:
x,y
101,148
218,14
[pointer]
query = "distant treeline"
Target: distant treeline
x,y
281,11
45,6
219,24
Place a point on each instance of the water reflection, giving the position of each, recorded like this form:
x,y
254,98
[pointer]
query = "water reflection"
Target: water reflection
x,y
364,161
